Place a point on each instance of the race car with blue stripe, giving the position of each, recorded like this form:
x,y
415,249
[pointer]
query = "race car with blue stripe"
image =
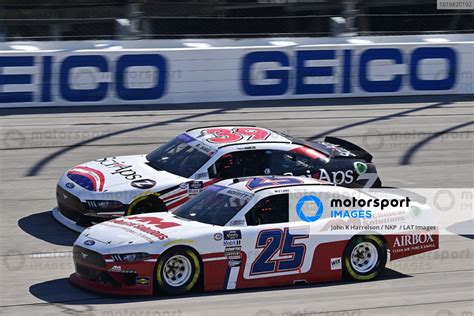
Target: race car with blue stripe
x,y
250,232
178,170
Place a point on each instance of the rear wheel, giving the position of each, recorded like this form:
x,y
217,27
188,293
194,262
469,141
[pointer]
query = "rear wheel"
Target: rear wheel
x,y
177,271
364,257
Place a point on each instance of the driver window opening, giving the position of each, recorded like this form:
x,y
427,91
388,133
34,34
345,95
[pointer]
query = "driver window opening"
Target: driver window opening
x,y
269,210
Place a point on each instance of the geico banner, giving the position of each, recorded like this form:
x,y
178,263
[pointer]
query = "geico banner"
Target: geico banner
x,y
184,75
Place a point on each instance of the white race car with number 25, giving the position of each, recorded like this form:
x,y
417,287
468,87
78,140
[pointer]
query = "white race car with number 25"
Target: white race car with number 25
x,y
235,234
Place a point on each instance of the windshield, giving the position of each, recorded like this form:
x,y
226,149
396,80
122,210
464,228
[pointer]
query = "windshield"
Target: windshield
x,y
182,156
216,205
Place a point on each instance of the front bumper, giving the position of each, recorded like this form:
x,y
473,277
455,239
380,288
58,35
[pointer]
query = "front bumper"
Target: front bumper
x,y
72,213
104,288
66,221
98,273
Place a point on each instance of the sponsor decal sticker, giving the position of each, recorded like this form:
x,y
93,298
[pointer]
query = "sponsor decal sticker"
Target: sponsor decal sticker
x,y
217,236
146,224
234,255
234,263
116,269
195,187
232,242
233,252
119,167
338,150
336,263
239,222
232,234
179,241
360,167
203,175
410,240
143,280
143,183
70,185
237,194
232,238
336,177
89,242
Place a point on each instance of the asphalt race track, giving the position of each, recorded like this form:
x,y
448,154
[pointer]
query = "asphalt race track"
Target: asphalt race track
x,y
416,142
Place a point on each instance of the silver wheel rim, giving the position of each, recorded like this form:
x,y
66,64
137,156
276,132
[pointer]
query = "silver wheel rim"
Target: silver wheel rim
x,y
364,257
177,270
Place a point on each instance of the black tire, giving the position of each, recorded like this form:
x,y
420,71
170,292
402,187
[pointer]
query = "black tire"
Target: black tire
x,y
149,204
164,284
364,257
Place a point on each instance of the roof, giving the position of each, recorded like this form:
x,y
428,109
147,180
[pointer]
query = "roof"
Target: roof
x,y
255,184
220,136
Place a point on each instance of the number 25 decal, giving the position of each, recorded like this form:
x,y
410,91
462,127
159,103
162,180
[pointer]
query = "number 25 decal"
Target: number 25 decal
x,y
261,182
223,135
280,252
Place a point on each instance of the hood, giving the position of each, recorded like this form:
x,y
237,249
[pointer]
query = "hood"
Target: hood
x,y
123,173
139,233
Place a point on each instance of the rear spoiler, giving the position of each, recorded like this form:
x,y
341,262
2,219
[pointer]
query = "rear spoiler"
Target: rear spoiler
x,y
356,150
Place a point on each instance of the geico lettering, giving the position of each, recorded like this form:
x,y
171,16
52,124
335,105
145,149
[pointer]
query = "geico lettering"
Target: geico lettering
x,y
408,240
279,69
82,78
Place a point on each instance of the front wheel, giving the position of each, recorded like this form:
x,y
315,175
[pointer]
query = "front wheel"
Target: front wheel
x,y
177,271
364,257
146,204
